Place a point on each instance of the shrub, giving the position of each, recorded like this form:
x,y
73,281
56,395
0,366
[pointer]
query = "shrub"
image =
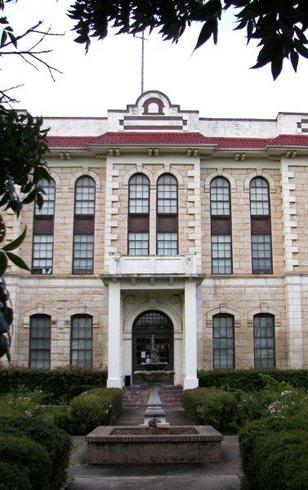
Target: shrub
x,y
95,407
274,452
251,380
211,406
14,477
21,402
54,441
29,458
59,384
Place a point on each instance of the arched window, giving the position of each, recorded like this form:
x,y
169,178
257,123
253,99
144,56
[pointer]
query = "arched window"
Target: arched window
x,y
221,226
264,340
223,341
39,342
261,234
81,340
43,230
167,215
138,214
84,217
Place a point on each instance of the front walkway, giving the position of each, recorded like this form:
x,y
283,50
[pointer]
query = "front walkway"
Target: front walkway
x,y
219,476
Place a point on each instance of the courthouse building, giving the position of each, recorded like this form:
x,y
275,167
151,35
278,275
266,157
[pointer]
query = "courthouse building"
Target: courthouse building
x,y
164,229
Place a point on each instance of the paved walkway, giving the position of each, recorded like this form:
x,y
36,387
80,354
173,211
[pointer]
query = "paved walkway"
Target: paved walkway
x,y
223,476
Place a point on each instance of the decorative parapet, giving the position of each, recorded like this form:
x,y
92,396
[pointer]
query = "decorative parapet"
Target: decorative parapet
x,y
153,265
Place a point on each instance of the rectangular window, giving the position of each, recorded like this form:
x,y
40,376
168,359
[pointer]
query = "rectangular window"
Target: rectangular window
x,y
83,254
139,198
48,207
81,342
261,254
259,201
138,244
220,201
167,199
85,200
221,254
39,351
167,244
223,342
264,341
42,254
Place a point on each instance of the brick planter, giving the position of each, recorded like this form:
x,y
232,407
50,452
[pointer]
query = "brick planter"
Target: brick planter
x,y
135,445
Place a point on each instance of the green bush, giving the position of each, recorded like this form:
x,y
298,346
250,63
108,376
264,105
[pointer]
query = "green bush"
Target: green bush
x,y
211,406
28,459
54,441
21,402
274,452
251,380
14,477
59,384
95,407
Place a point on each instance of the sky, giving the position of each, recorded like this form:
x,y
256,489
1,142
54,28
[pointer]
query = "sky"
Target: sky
x,y
216,80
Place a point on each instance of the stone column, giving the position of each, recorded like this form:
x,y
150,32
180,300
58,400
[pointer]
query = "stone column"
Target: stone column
x,y
114,336
190,336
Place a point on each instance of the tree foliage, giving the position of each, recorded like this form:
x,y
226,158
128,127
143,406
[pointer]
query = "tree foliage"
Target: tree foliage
x,y
279,26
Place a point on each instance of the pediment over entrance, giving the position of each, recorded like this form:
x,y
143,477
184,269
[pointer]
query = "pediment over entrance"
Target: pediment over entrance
x,y
153,111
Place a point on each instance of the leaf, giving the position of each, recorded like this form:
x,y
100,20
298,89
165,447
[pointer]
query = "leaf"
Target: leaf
x,y
294,60
3,262
209,28
18,261
2,229
15,243
276,66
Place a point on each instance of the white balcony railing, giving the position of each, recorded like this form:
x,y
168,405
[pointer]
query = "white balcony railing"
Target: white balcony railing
x,y
153,265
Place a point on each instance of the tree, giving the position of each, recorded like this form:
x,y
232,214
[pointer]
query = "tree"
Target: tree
x,y
278,25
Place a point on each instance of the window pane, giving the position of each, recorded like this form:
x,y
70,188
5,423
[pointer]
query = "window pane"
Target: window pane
x,y
167,195
139,194
259,197
42,254
167,244
220,197
138,244
81,341
83,254
39,342
223,341
85,196
264,341
261,254
49,195
221,254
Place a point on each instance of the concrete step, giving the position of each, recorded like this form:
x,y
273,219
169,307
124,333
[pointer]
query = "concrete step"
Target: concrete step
x,y
138,395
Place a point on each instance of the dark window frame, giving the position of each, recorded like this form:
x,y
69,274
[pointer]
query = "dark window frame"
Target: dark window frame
x,y
42,317
220,316
167,220
84,224
267,316
261,224
43,225
138,222
221,224
77,317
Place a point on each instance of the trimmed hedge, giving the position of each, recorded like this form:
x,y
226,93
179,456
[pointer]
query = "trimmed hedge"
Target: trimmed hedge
x,y
251,380
58,384
25,464
54,441
274,453
96,407
212,406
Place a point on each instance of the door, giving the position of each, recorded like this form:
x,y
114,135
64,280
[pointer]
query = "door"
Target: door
x,y
152,330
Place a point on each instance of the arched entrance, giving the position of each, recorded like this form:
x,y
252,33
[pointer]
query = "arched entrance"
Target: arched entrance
x,y
152,329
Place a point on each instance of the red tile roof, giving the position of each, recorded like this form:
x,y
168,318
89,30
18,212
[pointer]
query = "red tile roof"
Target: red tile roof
x,y
176,139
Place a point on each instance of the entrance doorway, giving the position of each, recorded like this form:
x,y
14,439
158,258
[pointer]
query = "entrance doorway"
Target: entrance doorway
x,y
152,330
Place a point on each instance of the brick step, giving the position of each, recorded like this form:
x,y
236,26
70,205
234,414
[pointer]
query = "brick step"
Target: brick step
x,y
138,395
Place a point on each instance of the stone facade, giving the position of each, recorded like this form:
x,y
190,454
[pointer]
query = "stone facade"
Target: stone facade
x,y
154,137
